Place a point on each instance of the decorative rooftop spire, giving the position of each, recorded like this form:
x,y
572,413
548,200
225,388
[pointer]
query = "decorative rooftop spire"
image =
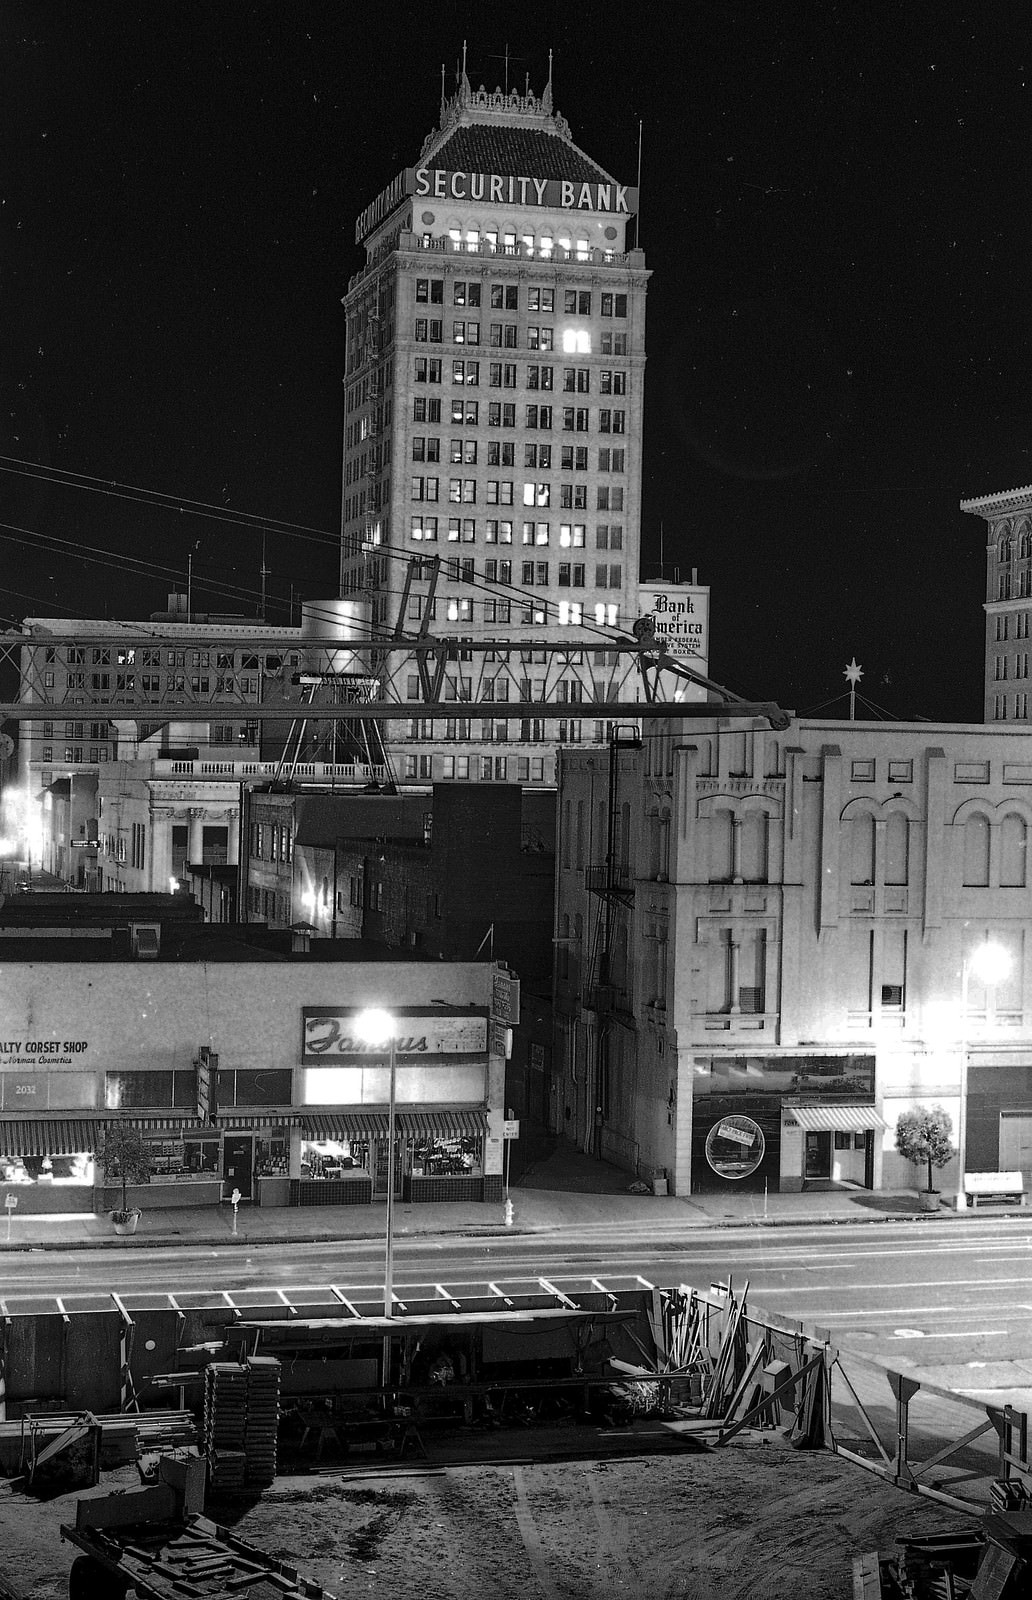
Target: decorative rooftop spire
x,y
546,98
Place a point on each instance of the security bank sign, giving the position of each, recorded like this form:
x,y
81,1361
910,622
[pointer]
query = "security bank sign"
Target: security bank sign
x,y
680,612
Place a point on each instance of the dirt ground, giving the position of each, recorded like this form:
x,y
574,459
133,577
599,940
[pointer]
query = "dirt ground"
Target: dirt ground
x,y
755,1519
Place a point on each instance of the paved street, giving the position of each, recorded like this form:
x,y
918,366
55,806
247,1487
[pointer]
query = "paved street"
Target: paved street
x,y
940,1296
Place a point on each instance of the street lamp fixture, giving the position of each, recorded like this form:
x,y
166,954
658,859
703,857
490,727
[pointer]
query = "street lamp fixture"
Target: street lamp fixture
x,y
990,963
379,1028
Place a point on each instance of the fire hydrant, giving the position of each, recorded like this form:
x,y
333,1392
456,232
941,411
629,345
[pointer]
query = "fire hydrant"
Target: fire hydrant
x,y
508,1213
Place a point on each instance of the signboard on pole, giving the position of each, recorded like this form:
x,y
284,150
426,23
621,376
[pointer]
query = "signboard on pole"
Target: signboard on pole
x,y
511,1128
505,997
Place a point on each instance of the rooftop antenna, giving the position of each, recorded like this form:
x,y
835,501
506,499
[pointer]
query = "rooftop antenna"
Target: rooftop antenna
x,y
442,92
637,216
662,565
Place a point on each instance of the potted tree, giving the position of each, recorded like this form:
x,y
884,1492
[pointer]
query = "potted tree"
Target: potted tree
x,y
126,1157
924,1136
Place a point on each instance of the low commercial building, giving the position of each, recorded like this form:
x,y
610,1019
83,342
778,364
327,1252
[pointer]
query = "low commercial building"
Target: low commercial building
x,y
247,1070
767,950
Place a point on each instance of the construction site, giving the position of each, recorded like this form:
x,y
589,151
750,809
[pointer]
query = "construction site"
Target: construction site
x,y
567,1438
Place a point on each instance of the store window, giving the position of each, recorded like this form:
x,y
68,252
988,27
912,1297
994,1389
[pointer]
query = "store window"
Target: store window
x,y
444,1158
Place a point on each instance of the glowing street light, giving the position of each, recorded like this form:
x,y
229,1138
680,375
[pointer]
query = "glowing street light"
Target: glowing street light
x,y
377,1028
990,963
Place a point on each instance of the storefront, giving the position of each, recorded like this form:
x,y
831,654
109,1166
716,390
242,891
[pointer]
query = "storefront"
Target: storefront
x,y
263,1096
46,1164
784,1123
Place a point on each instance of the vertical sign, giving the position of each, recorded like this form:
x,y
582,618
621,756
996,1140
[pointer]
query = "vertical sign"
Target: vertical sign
x,y
505,997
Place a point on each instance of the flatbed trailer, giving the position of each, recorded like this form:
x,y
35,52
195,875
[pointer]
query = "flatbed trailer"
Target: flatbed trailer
x,y
156,1542
170,1561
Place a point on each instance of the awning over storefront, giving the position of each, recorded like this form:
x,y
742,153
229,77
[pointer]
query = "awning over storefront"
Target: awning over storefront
x,y
259,1119
441,1124
176,1126
837,1119
50,1136
345,1124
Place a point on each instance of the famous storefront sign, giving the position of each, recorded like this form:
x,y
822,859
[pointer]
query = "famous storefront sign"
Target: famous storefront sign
x,y
333,1036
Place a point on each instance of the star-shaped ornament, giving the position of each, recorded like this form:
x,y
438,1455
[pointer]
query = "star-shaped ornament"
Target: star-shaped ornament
x,y
853,673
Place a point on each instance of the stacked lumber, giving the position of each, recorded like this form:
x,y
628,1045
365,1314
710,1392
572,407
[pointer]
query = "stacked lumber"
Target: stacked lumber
x,y
241,1423
263,1392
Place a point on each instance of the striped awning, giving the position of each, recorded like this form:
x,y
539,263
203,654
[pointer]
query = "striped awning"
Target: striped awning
x,y
441,1124
50,1136
258,1119
176,1126
345,1124
837,1119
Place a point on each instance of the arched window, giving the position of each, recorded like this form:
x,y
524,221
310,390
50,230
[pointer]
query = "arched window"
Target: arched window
x,y
861,832
754,827
1024,542
897,848
1013,843
721,852
976,850
1005,549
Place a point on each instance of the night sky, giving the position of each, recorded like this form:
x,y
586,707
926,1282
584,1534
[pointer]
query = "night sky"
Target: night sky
x,y
835,215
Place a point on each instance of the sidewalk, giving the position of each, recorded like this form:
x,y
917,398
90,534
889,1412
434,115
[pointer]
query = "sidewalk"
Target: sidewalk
x,y
562,1190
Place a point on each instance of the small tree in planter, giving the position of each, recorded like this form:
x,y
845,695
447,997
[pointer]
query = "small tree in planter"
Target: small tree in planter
x,y
126,1157
924,1135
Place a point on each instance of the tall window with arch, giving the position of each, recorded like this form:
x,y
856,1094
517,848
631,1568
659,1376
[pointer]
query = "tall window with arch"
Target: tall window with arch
x,y
1013,847
976,850
897,848
862,841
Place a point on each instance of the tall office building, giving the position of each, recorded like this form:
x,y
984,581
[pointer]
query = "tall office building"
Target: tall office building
x,y
1008,601
493,421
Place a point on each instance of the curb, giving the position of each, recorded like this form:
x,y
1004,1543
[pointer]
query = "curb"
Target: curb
x,y
488,1230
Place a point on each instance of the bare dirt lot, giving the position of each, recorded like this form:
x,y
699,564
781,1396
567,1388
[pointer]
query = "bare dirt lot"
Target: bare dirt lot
x,y
755,1519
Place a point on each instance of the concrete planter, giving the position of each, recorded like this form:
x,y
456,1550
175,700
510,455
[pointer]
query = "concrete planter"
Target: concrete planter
x,y
928,1199
125,1222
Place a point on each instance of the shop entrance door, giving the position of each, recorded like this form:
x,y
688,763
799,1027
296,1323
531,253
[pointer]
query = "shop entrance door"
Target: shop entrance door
x,y
817,1156
238,1164
1015,1141
380,1168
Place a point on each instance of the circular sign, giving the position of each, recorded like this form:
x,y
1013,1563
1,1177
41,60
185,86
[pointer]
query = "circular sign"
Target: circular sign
x,y
735,1146
427,217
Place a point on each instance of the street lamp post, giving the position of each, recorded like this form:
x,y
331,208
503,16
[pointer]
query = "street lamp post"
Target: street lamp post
x,y
990,963
379,1028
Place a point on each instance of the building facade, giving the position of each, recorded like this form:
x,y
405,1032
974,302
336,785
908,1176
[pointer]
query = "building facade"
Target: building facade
x,y
1008,601
493,427
765,944
130,790
251,1076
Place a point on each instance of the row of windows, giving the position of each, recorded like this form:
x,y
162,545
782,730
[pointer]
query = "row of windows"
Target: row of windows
x,y
1005,707
505,375
532,574
502,453
1006,668
74,753
502,414
568,613
506,296
463,530
489,769
505,336
501,492
271,841
229,660
1012,626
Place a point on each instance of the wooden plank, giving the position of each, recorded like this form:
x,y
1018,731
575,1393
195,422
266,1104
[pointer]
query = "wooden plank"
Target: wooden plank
x,y
867,1576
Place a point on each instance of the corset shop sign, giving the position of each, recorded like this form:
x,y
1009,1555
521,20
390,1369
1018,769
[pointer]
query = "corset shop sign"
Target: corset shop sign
x,y
330,1037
